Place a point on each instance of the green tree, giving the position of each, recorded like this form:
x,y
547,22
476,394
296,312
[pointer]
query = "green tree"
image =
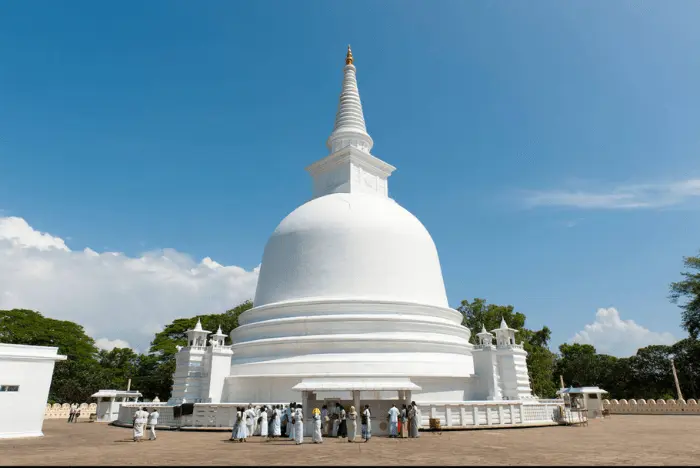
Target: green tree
x,y
21,326
75,379
652,375
88,369
578,364
689,289
154,376
478,313
119,365
686,354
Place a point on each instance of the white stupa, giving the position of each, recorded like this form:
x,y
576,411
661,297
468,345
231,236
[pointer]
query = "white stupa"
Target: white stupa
x,y
350,302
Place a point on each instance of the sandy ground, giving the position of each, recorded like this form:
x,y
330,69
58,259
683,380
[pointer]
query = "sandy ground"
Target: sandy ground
x,y
620,440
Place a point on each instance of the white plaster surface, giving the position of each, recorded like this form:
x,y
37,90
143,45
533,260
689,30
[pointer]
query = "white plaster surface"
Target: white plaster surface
x,y
350,288
30,367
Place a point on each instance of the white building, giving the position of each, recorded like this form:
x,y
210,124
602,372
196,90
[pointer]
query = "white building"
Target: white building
x,y
350,303
584,398
25,379
109,402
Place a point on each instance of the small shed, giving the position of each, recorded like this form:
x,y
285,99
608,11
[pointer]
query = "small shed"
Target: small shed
x,y
25,378
109,401
589,398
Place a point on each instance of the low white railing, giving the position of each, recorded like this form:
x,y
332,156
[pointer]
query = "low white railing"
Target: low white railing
x,y
473,414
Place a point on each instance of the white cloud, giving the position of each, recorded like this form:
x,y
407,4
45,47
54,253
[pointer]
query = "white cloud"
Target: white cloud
x,y
20,234
612,335
632,196
110,294
109,345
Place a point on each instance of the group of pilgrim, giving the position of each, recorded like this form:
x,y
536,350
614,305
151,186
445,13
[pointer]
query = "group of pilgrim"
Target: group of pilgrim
x,y
272,422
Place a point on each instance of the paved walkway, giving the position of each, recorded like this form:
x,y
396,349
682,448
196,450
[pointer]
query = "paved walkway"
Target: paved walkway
x,y
620,440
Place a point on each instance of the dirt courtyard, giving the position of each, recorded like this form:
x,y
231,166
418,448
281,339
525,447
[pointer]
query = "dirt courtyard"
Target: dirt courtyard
x,y
620,440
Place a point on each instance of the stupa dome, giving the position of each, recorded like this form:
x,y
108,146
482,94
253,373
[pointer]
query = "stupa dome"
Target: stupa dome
x,y
351,246
350,284
351,306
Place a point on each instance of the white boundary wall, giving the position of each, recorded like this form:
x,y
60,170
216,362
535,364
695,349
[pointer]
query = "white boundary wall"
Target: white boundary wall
x,y
62,411
452,415
659,406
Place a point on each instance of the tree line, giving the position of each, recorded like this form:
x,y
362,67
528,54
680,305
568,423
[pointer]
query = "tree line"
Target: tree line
x,y
647,374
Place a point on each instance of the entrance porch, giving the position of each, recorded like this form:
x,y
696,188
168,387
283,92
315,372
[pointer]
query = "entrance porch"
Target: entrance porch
x,y
377,392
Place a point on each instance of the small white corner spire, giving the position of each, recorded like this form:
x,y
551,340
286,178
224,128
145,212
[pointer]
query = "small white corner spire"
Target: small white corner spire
x,y
504,325
198,327
483,328
218,331
349,128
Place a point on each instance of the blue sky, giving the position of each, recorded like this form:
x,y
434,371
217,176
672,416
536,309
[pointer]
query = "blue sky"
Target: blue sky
x,y
551,148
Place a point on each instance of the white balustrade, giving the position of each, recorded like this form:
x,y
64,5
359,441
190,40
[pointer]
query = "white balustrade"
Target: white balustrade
x,y
451,414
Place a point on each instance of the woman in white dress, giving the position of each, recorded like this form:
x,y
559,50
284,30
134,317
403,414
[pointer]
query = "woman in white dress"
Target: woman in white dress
x,y
140,420
317,438
414,420
299,426
352,424
263,422
276,422
242,433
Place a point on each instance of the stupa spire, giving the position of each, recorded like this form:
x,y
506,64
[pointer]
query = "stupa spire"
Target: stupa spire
x,y
349,128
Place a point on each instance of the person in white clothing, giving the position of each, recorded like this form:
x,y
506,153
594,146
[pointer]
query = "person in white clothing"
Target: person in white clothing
x,y
366,424
352,424
276,422
317,438
242,433
393,421
290,423
140,420
298,425
152,422
250,420
263,422
256,429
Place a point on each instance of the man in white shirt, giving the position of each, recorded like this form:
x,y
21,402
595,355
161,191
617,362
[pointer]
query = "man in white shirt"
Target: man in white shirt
x,y
393,421
250,419
152,422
